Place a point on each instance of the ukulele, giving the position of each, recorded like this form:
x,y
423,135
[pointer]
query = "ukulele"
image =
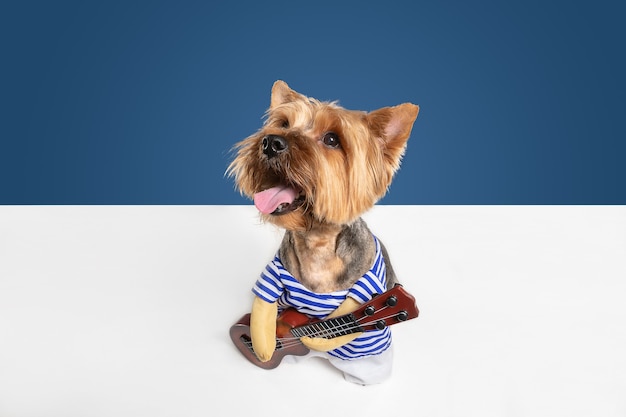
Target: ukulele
x,y
391,307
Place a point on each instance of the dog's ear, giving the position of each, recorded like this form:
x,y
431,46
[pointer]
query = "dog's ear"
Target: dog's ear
x,y
393,125
281,94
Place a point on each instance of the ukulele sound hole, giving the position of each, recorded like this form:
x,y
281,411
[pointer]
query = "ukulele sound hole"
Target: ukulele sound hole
x,y
247,342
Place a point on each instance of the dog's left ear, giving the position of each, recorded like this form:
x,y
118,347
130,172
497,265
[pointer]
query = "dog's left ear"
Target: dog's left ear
x,y
281,93
393,125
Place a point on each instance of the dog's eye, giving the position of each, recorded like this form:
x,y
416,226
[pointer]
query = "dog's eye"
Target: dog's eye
x,y
331,140
284,124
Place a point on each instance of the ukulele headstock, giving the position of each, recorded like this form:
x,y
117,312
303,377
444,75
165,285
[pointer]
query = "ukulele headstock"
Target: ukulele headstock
x,y
392,307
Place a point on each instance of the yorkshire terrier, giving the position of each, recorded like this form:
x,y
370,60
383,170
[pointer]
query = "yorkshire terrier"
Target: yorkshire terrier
x,y
313,169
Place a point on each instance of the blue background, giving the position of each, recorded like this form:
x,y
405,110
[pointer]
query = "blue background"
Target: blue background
x,y
139,103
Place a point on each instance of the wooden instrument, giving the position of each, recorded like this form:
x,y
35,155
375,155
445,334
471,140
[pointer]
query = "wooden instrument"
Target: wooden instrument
x,y
391,307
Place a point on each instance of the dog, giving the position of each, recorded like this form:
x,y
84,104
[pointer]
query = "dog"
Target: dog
x,y
313,169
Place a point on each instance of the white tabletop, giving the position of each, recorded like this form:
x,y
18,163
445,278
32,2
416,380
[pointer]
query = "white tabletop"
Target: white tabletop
x,y
125,310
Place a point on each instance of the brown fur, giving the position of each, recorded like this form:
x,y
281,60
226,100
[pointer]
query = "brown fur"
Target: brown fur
x,y
339,184
327,246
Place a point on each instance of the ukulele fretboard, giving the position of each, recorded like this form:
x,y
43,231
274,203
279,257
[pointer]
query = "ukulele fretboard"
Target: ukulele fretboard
x,y
329,328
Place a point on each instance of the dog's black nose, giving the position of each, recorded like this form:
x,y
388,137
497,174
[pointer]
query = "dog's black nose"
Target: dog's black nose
x,y
274,145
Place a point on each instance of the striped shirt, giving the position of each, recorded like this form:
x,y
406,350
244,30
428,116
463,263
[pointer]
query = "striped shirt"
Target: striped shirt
x,y
277,284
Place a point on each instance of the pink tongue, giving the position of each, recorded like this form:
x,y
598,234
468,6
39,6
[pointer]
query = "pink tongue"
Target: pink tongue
x,y
268,201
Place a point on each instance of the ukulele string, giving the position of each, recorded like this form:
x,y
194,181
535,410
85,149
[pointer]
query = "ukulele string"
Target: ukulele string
x,y
286,342
345,328
329,333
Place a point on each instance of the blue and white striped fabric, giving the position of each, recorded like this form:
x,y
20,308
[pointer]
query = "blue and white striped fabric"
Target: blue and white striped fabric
x,y
277,284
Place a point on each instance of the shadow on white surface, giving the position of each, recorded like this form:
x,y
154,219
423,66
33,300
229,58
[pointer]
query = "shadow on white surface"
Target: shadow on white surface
x,y
125,311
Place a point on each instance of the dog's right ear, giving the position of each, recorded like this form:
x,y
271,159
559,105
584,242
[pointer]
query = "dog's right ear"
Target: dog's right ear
x,y
394,125
281,94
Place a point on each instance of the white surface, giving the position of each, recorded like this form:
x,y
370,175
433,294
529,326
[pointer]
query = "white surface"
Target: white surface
x,y
125,311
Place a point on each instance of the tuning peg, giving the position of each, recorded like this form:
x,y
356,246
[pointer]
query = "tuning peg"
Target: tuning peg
x,y
403,315
391,301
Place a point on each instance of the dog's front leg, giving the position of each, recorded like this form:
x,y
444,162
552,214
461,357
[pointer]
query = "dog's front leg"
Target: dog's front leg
x,y
324,345
263,328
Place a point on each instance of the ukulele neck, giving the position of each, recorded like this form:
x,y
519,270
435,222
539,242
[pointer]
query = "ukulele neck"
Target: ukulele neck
x,y
337,326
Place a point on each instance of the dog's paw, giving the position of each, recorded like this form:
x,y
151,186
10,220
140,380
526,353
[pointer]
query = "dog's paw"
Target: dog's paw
x,y
263,328
324,345
262,349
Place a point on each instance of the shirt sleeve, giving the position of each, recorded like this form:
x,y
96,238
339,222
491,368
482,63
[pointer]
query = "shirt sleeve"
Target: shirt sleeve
x,y
269,286
373,282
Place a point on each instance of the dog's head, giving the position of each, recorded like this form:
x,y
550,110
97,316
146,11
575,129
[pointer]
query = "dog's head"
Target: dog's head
x,y
316,162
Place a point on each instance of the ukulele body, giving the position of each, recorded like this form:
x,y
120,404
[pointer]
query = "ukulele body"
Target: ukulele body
x,y
287,320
